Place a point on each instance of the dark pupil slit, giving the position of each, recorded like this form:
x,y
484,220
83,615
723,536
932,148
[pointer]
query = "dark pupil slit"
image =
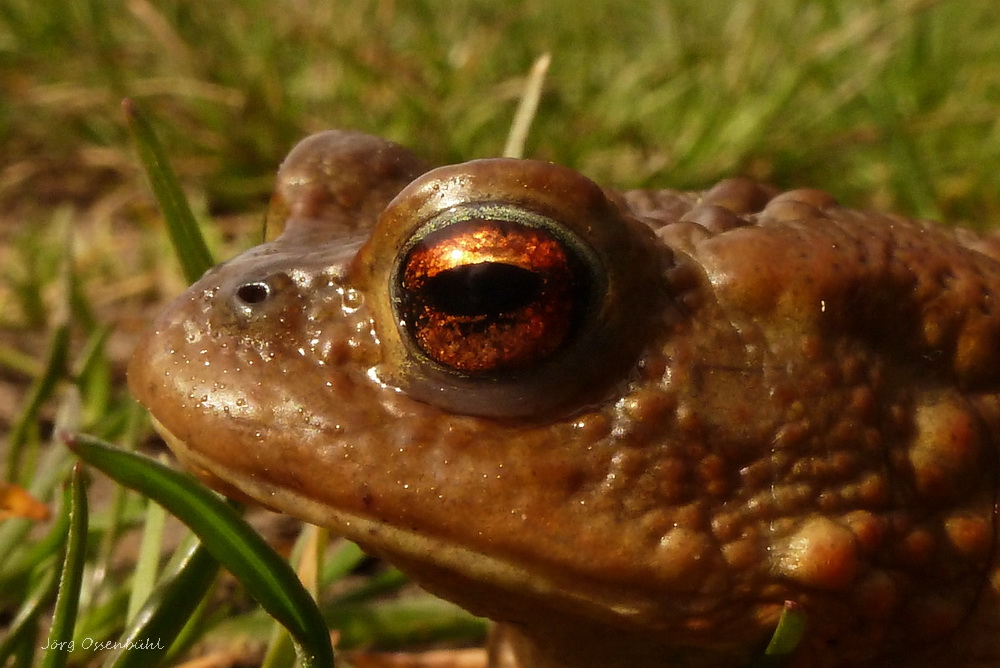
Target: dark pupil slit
x,y
484,289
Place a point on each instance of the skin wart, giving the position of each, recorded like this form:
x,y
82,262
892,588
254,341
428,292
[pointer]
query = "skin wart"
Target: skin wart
x,y
627,426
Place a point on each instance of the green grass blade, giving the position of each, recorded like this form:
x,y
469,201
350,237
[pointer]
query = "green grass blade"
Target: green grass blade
x,y
150,548
405,622
53,467
56,365
25,623
201,619
105,48
189,244
160,621
786,638
41,390
345,559
791,626
17,568
42,582
307,557
377,585
68,598
268,577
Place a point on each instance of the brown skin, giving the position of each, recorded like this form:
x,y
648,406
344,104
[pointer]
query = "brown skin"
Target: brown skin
x,y
761,398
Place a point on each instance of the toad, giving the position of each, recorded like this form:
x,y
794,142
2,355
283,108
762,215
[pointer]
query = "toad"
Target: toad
x,y
628,426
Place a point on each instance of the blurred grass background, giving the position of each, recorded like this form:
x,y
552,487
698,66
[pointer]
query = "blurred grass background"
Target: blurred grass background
x,y
890,104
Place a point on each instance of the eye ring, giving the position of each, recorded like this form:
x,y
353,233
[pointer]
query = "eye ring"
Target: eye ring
x,y
613,261
492,289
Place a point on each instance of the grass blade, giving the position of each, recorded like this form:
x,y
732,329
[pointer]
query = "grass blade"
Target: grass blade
x,y
399,623
146,565
514,148
161,620
53,467
24,626
41,390
68,598
786,638
41,586
192,251
268,577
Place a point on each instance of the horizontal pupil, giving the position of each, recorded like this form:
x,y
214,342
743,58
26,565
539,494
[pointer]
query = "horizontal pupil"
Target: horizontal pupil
x,y
483,289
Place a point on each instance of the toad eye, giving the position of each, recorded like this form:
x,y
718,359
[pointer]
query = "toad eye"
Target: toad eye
x,y
492,289
516,288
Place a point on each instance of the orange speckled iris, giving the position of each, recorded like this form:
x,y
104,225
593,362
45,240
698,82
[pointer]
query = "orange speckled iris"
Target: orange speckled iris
x,y
485,295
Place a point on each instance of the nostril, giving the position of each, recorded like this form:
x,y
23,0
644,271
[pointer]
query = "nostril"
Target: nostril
x,y
253,293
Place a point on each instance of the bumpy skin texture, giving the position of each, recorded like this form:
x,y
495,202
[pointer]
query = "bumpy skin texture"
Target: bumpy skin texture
x,y
771,398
